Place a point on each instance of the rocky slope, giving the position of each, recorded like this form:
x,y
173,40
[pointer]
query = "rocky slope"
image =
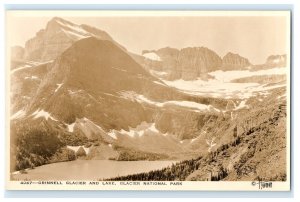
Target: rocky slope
x,y
245,152
25,80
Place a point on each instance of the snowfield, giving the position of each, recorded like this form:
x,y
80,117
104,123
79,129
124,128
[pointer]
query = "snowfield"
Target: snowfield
x,y
222,87
74,31
133,96
227,76
187,104
75,35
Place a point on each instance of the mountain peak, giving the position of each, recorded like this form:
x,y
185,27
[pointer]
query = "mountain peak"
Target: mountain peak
x,y
59,19
59,35
233,61
231,54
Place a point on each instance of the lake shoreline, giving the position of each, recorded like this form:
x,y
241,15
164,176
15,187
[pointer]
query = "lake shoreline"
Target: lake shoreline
x,y
81,169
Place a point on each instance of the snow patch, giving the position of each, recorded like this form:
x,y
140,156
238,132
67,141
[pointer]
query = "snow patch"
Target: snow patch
x,y
58,86
75,35
41,113
19,114
109,94
123,70
32,77
20,68
26,97
281,96
195,105
153,128
192,140
112,134
152,56
158,73
75,148
74,92
129,95
139,130
71,127
210,144
159,83
76,29
242,105
187,104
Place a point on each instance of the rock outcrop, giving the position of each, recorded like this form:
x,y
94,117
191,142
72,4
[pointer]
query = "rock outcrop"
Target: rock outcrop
x,y
233,61
187,63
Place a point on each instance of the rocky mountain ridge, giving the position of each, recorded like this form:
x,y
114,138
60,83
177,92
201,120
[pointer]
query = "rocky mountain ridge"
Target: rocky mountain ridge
x,y
194,63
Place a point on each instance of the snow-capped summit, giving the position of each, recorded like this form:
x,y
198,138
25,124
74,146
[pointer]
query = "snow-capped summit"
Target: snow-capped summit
x,y
59,35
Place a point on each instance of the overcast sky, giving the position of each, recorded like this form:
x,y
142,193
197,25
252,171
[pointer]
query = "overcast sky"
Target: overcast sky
x,y
252,37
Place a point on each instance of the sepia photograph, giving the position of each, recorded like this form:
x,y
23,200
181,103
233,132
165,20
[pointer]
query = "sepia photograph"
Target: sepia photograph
x,y
148,100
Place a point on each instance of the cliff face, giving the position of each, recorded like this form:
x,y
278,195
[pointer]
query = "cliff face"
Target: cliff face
x,y
233,61
45,46
58,35
192,62
187,63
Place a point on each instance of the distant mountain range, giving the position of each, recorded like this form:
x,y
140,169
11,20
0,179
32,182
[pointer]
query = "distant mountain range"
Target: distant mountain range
x,y
193,63
187,63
